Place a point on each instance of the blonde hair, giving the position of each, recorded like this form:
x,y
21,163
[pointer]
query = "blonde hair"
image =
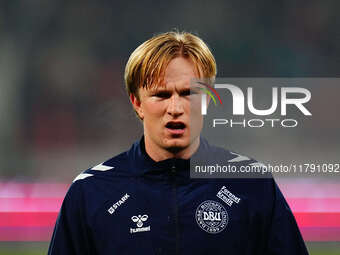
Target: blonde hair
x,y
146,65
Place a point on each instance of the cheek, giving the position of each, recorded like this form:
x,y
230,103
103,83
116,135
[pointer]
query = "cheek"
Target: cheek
x,y
196,118
195,110
152,109
197,121
195,104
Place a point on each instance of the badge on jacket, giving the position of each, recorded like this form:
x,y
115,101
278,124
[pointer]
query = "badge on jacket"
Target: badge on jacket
x,y
212,217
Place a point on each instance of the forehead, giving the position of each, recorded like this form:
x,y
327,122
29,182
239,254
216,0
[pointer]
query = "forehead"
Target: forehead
x,y
179,68
179,72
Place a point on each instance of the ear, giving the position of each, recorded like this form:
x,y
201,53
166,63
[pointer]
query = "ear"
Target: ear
x,y
136,103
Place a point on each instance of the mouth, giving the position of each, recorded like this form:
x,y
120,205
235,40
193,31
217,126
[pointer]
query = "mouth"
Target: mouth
x,y
175,127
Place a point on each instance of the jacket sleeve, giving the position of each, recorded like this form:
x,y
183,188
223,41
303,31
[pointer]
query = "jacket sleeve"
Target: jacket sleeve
x,y
284,235
71,235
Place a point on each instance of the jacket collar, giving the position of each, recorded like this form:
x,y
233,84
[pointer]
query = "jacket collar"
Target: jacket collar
x,y
142,163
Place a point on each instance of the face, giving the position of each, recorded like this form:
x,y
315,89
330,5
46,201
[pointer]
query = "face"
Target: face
x,y
171,113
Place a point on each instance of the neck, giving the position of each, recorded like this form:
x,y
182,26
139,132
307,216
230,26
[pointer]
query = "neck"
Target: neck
x,y
158,154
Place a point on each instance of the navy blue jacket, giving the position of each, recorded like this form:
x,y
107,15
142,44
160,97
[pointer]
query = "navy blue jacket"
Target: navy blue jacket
x,y
131,204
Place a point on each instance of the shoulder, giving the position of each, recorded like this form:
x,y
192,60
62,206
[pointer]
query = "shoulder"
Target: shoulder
x,y
216,154
116,166
220,163
99,185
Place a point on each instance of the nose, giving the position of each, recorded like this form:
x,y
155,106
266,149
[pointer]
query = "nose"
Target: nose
x,y
175,107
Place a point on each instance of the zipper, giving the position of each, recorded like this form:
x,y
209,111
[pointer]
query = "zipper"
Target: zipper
x,y
174,192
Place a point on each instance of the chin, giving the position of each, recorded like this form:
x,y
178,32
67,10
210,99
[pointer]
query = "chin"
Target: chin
x,y
177,144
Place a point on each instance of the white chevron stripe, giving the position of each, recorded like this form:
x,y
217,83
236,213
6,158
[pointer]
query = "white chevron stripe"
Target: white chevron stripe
x,y
238,158
82,176
102,167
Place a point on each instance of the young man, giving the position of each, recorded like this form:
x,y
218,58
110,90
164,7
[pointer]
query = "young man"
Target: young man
x,y
143,200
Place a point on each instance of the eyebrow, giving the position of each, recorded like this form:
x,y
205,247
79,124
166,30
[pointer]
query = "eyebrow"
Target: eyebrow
x,y
164,90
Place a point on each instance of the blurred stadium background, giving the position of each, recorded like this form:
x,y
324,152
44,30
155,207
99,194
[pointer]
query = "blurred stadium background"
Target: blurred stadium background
x,y
63,106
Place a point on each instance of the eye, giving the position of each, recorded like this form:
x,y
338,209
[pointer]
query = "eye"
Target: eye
x,y
195,91
162,94
188,92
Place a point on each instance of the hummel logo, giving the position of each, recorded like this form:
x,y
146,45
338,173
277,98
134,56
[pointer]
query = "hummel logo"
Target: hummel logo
x,y
139,221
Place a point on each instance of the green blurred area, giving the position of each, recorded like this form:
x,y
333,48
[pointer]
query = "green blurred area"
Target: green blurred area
x,y
40,248
23,248
323,248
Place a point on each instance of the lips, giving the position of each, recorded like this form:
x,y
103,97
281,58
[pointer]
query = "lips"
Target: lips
x,y
175,128
175,125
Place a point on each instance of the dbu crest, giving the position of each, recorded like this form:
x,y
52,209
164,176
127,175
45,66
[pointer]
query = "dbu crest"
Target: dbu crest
x,y
212,217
